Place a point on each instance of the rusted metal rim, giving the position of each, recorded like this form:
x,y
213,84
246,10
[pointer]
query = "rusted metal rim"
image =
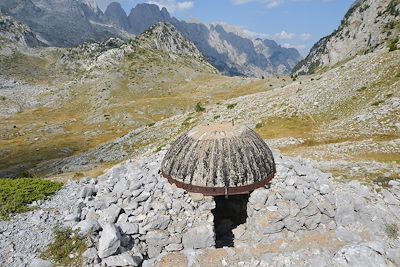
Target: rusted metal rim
x,y
219,191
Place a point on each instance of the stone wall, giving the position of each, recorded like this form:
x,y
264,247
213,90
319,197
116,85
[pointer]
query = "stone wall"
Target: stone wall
x,y
136,217
134,213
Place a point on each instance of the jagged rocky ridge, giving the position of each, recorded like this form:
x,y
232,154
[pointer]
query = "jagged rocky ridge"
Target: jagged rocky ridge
x,y
137,217
229,52
93,56
369,25
78,21
15,35
82,21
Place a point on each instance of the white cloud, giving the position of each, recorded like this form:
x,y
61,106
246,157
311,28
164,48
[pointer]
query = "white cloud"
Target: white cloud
x,y
283,35
305,36
242,31
173,5
299,46
267,3
271,3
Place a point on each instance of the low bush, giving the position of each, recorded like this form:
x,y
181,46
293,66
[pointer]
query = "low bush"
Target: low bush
x,y
16,194
199,108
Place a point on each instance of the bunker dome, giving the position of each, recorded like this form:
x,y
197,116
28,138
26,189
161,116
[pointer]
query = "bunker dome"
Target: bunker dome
x,y
219,159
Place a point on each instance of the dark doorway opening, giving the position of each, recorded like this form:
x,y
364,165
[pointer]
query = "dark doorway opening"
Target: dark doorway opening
x,y
229,212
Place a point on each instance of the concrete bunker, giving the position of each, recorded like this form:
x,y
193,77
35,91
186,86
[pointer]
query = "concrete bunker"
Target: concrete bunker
x,y
224,161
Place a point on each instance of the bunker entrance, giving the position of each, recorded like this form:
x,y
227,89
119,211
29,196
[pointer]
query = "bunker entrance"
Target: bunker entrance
x,y
229,213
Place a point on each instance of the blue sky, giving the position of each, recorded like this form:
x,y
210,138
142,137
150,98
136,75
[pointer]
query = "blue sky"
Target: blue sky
x,y
292,23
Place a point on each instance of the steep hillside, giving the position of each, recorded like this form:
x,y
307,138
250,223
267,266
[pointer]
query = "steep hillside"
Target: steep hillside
x,y
369,25
15,35
78,20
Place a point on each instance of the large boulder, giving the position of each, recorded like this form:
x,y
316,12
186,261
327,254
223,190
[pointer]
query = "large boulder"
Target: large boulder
x,y
359,255
109,240
199,237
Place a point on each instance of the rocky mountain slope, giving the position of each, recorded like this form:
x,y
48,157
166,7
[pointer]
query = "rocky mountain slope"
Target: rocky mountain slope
x,y
15,35
80,21
368,26
227,50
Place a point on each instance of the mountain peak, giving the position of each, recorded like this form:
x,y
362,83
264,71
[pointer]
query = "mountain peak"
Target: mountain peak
x,y
143,16
165,37
115,15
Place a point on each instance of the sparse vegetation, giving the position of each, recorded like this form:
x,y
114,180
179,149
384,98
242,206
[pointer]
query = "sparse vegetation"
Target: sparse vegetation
x,y
393,44
78,175
16,194
392,230
362,89
231,106
158,149
199,108
259,125
377,103
66,249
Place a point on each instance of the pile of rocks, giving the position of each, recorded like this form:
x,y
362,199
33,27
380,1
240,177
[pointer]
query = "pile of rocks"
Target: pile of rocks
x,y
299,198
134,213
133,217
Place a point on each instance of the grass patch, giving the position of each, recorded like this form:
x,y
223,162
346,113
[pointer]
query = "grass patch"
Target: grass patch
x,y
379,157
231,106
16,194
66,243
298,127
392,230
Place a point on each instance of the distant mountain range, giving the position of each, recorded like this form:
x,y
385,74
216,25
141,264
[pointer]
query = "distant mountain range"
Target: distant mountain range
x,y
68,23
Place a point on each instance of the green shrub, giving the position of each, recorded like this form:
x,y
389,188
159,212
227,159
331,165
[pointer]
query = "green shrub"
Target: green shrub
x,y
392,230
199,108
259,125
66,242
151,124
361,89
231,106
217,117
377,103
16,194
393,44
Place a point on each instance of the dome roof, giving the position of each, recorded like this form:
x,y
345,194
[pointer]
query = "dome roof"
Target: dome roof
x,y
219,159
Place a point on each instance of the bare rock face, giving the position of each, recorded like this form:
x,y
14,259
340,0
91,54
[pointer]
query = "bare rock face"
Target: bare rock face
x,y
15,35
369,25
219,156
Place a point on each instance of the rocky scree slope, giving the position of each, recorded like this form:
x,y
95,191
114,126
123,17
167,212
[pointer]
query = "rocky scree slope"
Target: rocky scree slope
x,y
134,217
369,25
15,35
